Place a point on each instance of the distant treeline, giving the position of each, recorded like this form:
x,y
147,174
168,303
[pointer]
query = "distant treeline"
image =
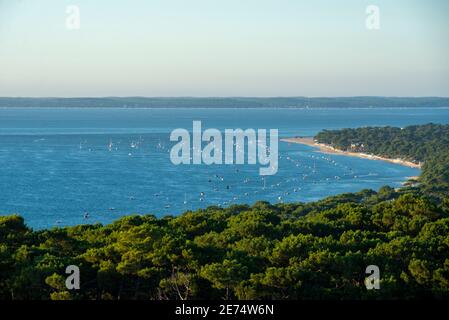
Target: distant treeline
x,y
317,250
235,102
421,143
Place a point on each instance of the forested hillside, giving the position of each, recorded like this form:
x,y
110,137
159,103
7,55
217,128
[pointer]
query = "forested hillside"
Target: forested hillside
x,y
288,251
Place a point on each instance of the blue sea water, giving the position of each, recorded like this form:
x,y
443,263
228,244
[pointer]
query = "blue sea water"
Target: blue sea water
x,y
58,164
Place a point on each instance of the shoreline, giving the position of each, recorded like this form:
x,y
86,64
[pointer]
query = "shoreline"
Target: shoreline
x,y
323,148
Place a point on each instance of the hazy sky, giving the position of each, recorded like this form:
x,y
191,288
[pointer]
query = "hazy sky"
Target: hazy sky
x,y
224,48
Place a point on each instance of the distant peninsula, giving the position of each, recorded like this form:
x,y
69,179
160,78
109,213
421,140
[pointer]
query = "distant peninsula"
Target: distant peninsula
x,y
353,152
226,102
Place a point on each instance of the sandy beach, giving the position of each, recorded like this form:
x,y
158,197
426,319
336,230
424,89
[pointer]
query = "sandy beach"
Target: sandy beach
x,y
328,149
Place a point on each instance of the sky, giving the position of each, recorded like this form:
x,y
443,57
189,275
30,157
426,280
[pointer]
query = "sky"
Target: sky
x,y
224,48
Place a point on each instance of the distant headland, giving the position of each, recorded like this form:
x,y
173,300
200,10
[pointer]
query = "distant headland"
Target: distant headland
x,y
324,148
226,102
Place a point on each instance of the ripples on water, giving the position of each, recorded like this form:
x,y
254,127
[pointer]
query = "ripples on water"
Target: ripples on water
x,y
65,167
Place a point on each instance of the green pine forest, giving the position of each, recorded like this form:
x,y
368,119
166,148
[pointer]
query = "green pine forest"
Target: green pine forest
x,y
316,250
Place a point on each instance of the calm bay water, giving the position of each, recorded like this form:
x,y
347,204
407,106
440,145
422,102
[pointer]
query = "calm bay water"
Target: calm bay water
x,y
56,165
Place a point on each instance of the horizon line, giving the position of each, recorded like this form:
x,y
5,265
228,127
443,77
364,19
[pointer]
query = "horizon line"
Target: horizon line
x,y
219,97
